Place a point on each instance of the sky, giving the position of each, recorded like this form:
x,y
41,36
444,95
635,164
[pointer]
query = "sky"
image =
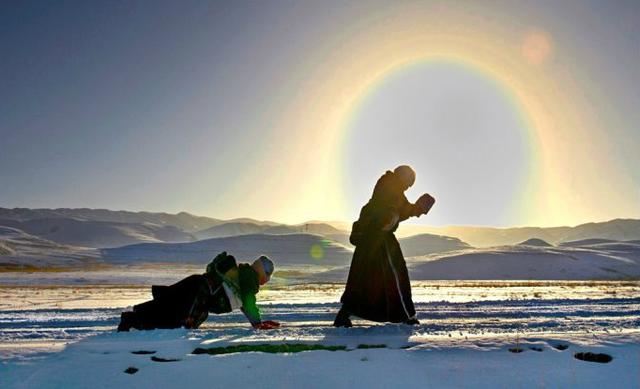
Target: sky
x,y
511,113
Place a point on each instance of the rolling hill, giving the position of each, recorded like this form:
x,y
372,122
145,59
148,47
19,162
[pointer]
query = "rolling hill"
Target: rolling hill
x,y
612,260
425,244
603,261
19,250
182,220
235,228
290,249
617,229
98,234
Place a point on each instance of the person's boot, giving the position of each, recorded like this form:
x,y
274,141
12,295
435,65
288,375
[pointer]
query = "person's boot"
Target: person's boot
x,y
126,321
342,319
412,321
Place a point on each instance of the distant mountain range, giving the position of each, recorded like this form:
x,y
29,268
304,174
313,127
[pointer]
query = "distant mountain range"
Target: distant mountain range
x,y
102,228
123,236
91,233
617,229
182,220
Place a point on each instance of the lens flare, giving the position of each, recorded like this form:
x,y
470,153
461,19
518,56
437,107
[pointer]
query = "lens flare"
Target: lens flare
x,y
317,249
536,47
317,252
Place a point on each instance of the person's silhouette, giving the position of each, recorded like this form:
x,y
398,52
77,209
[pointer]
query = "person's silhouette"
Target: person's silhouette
x,y
378,286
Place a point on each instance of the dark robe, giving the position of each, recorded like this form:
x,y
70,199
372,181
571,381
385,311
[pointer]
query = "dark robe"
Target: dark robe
x,y
183,304
378,286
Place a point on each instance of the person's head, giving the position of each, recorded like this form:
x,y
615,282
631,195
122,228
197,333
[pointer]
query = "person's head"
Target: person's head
x,y
406,175
264,267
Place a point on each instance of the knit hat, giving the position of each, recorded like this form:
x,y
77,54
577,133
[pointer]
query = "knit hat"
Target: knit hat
x,y
267,265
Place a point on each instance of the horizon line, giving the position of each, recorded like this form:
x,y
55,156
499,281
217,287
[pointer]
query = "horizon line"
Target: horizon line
x,y
443,226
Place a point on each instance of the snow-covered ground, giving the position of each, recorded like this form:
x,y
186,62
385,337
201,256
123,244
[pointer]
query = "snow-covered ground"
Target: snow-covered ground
x,y
410,359
466,331
57,328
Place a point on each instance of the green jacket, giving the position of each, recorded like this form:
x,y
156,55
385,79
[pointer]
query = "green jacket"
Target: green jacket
x,y
241,280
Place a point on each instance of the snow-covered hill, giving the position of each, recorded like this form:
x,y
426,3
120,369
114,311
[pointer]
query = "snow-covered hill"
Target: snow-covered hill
x,y
290,249
535,242
243,228
617,229
103,228
613,260
421,244
98,234
236,228
205,227
182,220
19,250
425,244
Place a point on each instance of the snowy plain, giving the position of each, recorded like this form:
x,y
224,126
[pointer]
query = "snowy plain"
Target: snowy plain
x,y
64,336
478,307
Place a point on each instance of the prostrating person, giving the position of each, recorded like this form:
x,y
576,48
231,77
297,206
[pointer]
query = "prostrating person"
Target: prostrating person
x,y
224,287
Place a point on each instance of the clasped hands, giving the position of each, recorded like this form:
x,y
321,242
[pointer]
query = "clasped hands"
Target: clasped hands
x,y
424,204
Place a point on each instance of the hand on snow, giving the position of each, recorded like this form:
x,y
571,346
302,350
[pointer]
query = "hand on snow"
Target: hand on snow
x,y
268,325
424,203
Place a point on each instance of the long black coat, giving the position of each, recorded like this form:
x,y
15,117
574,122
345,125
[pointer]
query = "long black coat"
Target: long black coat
x,y
378,286
184,303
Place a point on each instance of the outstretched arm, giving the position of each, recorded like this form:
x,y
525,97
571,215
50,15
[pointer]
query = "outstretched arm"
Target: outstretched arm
x,y
421,206
400,210
405,209
251,311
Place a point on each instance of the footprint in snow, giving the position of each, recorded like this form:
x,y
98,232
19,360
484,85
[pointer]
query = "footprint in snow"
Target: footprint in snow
x,y
593,357
158,359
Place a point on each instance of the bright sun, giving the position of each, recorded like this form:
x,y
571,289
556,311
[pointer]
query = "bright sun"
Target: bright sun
x,y
460,131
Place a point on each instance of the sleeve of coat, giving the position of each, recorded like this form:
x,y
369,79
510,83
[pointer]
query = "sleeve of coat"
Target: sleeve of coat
x,y
250,309
405,209
248,291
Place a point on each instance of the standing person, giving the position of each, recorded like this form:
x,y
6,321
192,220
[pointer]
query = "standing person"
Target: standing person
x,y
378,286
224,287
